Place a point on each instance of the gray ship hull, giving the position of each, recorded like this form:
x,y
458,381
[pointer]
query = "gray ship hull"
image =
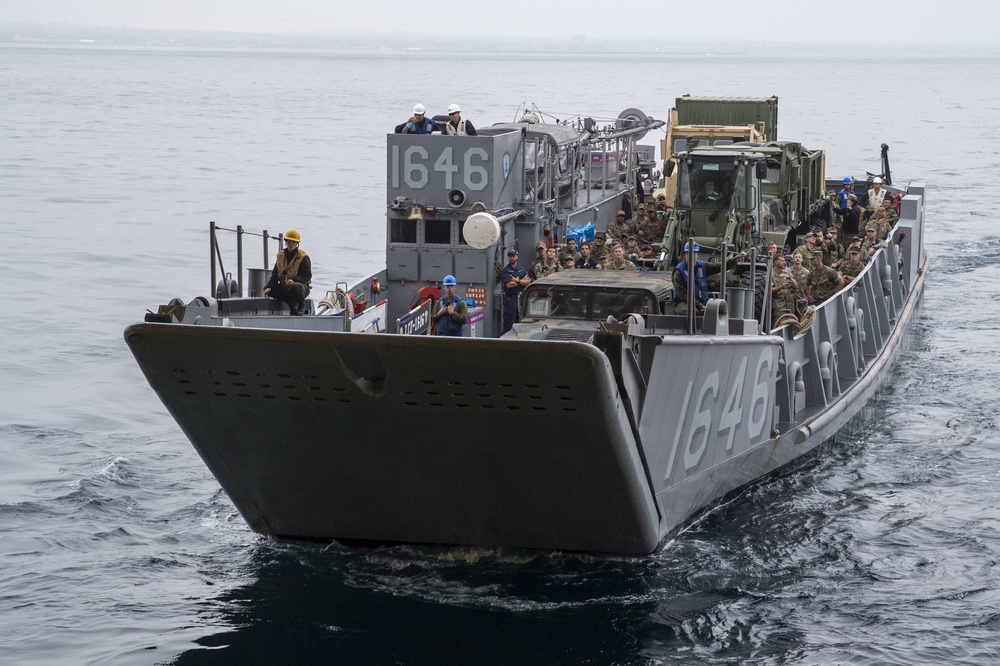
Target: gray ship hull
x,y
520,443
602,421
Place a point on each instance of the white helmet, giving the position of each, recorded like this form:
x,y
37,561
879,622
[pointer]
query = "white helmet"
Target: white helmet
x,y
877,180
418,109
454,109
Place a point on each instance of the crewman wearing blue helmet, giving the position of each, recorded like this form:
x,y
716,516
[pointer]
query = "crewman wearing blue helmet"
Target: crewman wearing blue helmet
x,y
452,312
701,273
846,192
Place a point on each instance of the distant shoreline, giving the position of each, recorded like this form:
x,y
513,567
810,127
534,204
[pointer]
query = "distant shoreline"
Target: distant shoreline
x,y
110,36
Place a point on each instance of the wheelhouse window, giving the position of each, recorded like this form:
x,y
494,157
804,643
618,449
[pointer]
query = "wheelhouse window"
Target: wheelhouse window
x,y
437,232
402,231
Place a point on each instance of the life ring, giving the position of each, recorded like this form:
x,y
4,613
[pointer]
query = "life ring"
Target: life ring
x,y
425,293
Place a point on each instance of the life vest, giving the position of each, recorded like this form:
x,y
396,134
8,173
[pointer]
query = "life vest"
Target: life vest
x,y
287,270
446,325
452,130
700,281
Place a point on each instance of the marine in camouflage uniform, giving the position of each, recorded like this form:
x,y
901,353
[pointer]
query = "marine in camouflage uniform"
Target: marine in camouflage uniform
x,y
852,268
783,289
619,229
618,261
823,281
881,224
870,244
540,249
650,232
888,205
600,250
546,267
834,253
569,252
800,274
808,246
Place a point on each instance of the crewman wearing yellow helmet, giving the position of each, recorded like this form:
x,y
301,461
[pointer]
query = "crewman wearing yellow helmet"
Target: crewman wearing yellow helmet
x,y
291,278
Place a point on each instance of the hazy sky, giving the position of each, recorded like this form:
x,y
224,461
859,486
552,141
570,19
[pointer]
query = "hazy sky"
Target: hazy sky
x,y
960,22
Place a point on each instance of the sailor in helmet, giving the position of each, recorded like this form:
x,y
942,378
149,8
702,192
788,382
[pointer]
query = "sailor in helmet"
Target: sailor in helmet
x,y
845,192
452,311
418,123
456,125
681,275
876,195
291,277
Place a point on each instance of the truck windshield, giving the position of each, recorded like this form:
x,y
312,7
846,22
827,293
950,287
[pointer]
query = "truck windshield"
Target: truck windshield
x,y
572,303
711,184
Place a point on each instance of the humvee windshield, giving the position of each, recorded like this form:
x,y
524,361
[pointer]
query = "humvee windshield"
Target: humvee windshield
x,y
587,303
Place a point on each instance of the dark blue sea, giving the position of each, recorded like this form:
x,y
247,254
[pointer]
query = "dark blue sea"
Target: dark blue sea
x,y
118,547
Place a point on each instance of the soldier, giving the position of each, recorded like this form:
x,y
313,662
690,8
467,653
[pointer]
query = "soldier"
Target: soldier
x,y
569,252
870,244
808,245
823,281
548,266
540,249
833,252
661,213
619,230
599,249
648,231
836,221
783,289
631,248
881,224
639,219
800,274
618,261
889,205
851,268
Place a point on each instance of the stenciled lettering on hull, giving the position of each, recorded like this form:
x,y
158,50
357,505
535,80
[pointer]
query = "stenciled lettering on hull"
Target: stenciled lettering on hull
x,y
715,420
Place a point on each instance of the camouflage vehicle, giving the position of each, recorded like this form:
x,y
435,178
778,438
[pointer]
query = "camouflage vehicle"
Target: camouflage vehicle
x,y
571,305
745,195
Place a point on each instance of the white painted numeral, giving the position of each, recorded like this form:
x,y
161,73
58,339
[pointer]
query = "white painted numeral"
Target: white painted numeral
x,y
732,416
760,404
446,165
476,176
701,424
410,167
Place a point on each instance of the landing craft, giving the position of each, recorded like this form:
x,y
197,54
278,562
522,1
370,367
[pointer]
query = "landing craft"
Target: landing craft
x,y
603,421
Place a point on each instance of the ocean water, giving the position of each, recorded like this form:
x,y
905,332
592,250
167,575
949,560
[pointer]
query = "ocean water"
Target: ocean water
x,y
118,547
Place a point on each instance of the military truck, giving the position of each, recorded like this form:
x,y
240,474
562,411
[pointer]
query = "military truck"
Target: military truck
x,y
748,194
715,121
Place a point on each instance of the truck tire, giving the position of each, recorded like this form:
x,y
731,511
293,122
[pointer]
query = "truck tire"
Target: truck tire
x,y
759,292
